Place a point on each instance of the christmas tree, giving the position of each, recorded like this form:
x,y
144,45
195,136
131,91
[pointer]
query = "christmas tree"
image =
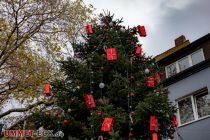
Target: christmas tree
x,y
112,90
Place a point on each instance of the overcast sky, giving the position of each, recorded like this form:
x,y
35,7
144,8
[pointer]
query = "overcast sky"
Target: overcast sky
x,y
164,20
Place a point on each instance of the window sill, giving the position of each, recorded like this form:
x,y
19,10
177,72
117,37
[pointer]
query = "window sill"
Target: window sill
x,y
194,121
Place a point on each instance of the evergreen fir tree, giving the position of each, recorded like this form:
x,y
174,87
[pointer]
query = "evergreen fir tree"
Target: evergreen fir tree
x,y
119,87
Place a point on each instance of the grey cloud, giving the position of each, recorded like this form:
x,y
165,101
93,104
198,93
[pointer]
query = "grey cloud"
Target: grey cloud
x,y
165,20
192,21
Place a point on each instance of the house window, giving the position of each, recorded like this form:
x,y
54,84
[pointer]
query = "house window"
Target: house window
x,y
184,63
203,104
197,57
194,107
171,69
185,110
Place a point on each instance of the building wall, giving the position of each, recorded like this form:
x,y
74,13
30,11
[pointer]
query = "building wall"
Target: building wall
x,y
198,130
206,49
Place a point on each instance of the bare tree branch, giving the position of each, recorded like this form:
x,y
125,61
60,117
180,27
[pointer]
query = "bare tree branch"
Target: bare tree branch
x,y
27,108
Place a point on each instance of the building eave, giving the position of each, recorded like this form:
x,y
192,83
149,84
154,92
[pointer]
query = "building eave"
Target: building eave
x,y
171,51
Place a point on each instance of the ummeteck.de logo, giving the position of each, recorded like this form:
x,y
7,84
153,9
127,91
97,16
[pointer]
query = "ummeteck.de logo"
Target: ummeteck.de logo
x,y
31,133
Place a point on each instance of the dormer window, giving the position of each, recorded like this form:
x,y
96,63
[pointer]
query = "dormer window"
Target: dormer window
x,y
184,63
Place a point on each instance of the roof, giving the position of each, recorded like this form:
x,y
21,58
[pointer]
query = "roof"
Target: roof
x,y
171,51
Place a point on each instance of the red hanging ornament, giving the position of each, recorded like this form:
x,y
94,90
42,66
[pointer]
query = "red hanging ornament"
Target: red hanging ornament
x,y
132,77
132,94
138,50
100,138
47,89
153,123
101,68
111,54
154,136
65,121
132,43
89,29
107,125
142,31
89,100
131,60
157,78
99,114
174,121
131,113
130,134
106,37
150,82
94,47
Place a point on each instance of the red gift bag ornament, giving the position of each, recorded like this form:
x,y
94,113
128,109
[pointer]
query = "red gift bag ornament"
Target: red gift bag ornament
x,y
153,123
150,82
47,89
111,54
107,125
89,100
157,78
142,31
154,136
174,121
89,29
138,50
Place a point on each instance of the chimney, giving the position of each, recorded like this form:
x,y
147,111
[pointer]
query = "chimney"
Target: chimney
x,y
180,40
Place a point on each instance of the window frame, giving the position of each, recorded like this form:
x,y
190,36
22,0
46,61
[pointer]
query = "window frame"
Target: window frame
x,y
202,55
178,112
186,57
189,58
195,100
167,74
194,105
